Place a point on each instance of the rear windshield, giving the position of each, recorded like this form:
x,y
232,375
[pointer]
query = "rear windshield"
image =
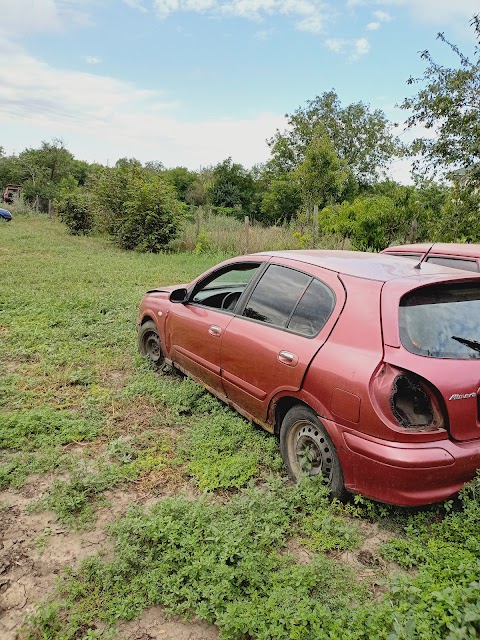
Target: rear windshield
x,y
442,321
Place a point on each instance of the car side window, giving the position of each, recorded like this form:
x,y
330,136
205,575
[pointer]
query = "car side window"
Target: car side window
x,y
222,289
313,310
276,295
454,263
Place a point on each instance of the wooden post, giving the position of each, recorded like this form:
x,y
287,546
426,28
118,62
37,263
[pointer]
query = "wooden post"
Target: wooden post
x,y
315,224
247,229
198,220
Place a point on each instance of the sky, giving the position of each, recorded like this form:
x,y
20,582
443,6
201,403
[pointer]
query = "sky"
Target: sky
x,y
192,82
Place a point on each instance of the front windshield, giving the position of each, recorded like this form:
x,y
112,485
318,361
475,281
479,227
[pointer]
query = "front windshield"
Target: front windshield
x,y
442,321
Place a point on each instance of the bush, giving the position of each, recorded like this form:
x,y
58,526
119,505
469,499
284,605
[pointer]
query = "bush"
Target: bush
x,y
75,211
136,207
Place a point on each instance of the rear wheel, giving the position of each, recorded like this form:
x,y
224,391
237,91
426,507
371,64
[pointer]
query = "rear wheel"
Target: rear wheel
x,y
150,346
307,449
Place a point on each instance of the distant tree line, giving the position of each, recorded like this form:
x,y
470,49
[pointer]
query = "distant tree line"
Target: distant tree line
x,y
328,168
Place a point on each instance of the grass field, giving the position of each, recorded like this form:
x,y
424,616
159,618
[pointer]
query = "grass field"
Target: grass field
x,y
129,496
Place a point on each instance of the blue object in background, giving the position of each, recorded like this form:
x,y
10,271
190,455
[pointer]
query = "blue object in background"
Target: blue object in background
x,y
6,215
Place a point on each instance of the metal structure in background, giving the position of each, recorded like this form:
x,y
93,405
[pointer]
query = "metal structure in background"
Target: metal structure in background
x,y
11,193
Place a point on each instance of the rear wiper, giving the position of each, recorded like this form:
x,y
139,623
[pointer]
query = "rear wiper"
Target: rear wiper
x,y
473,344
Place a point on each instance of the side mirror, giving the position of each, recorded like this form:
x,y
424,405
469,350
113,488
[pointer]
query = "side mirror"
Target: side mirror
x,y
179,295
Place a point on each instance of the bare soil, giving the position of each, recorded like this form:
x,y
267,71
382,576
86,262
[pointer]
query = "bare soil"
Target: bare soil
x,y
34,550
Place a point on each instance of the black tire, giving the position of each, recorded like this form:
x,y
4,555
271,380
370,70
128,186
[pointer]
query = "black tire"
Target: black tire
x,y
150,346
307,449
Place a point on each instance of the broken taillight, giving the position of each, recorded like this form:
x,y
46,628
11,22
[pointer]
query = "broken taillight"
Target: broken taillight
x,y
407,401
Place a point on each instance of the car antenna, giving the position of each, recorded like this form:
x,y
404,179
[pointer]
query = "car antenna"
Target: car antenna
x,y
418,266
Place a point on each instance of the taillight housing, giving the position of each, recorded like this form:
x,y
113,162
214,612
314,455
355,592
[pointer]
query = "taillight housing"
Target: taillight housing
x,y
406,401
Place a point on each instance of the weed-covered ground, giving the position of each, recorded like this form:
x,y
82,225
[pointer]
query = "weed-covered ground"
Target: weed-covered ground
x,y
135,505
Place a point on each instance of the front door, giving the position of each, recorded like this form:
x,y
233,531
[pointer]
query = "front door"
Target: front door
x,y
195,329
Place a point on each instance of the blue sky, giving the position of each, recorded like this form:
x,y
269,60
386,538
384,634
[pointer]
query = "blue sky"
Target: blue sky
x,y
191,82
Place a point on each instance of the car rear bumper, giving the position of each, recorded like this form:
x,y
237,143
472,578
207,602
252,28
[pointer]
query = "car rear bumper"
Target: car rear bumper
x,y
405,474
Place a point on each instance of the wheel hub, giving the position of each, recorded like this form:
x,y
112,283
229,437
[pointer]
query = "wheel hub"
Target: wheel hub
x,y
312,451
152,347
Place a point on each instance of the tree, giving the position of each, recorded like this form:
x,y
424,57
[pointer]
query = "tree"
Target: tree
x,y
459,220
370,223
138,208
182,179
42,170
322,176
231,186
282,200
449,105
361,137
75,210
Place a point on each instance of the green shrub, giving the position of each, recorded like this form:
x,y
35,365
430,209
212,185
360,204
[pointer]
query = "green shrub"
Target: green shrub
x,y
75,210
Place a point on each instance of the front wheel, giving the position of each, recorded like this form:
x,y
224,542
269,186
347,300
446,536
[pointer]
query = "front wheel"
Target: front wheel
x,y
307,449
150,346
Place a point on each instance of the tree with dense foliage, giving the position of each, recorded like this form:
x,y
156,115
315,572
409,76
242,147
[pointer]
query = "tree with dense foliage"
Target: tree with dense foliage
x,y
459,220
138,208
449,105
75,210
370,222
182,179
362,138
231,186
42,170
281,202
323,176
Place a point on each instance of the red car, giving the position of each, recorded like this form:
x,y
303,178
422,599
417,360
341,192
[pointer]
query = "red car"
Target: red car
x,y
454,255
365,367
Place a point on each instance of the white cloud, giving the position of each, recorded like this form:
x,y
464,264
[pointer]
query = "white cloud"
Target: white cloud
x,y
135,4
373,26
310,15
25,16
362,47
354,48
92,60
337,45
264,34
456,13
382,16
101,118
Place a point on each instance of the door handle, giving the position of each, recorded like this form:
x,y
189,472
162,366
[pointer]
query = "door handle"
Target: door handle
x,y
288,358
215,331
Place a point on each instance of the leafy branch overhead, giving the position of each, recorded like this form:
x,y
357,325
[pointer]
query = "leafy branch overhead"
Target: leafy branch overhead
x,y
448,105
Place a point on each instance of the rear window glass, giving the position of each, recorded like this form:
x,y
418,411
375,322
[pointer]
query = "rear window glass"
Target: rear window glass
x,y
454,263
412,256
442,321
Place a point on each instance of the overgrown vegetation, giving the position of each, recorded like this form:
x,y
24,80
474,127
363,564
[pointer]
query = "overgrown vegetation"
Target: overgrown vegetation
x,y
227,564
235,544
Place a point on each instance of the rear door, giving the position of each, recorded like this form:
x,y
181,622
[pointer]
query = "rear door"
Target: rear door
x,y
268,346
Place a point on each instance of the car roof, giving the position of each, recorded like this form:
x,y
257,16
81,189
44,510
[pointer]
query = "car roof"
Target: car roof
x,y
456,249
370,266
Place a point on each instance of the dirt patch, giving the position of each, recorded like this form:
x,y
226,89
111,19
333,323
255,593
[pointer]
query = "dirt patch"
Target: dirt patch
x,y
153,625
34,549
368,564
130,417
295,548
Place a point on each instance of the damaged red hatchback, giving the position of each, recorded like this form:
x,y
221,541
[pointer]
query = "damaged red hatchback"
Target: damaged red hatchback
x,y
366,366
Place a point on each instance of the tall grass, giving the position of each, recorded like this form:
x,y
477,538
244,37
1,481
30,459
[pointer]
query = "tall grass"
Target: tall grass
x,y
227,235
